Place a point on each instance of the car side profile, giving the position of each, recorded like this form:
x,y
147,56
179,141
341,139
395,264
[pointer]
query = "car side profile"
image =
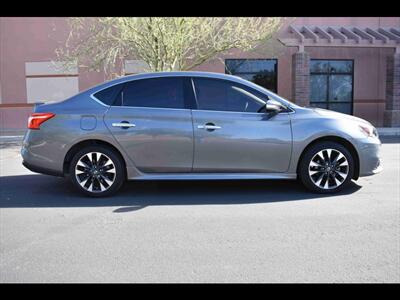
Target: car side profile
x,y
195,125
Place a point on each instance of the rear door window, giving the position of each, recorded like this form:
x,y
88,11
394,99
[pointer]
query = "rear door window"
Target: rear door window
x,y
165,92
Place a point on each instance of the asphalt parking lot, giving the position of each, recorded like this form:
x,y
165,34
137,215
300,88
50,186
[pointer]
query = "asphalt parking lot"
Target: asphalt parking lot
x,y
221,231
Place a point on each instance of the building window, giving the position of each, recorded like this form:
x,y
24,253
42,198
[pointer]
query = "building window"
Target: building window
x,y
263,72
331,85
49,81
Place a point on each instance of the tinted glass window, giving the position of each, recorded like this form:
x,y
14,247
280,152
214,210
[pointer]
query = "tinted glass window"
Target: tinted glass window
x,y
341,66
331,66
260,71
319,66
340,87
223,95
250,65
154,92
108,95
318,88
331,84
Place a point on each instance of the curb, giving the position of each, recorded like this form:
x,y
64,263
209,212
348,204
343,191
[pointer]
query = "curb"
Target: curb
x,y
12,132
389,132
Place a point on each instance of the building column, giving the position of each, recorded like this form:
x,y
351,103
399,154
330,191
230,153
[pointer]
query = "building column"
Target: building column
x,y
301,78
392,112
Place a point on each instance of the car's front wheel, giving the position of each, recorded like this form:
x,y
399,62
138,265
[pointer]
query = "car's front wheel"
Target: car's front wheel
x,y
326,167
97,171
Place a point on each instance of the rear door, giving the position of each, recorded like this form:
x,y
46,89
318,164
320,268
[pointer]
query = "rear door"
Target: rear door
x,y
151,120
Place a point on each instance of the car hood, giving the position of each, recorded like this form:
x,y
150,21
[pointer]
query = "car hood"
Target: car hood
x,y
336,115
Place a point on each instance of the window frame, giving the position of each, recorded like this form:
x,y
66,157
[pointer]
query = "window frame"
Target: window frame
x,y
328,74
249,73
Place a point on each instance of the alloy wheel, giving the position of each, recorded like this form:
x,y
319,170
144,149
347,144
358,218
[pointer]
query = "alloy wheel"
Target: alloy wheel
x,y
95,172
328,169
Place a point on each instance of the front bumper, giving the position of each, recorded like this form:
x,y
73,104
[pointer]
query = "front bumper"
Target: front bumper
x,y
369,154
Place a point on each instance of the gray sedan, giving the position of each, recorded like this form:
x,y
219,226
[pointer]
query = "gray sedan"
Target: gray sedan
x,y
195,125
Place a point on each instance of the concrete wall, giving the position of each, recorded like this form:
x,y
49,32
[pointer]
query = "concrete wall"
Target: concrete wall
x,y
32,39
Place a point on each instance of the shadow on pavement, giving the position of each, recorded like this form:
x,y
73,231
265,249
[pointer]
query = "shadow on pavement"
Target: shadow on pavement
x,y
47,191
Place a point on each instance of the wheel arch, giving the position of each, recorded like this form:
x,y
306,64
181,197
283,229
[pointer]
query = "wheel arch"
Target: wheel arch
x,y
340,140
90,142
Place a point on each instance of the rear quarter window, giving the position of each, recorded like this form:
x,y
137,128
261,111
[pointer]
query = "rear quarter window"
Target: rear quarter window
x,y
108,95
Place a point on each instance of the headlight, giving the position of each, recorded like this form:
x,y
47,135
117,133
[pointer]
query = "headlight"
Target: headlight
x,y
369,131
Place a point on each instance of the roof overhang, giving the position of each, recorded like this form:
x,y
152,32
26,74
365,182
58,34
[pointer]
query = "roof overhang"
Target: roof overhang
x,y
338,36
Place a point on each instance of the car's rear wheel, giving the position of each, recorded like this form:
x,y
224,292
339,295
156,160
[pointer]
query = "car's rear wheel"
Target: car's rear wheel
x,y
97,171
326,167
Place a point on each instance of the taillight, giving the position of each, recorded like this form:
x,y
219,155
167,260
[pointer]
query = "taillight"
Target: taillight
x,y
36,119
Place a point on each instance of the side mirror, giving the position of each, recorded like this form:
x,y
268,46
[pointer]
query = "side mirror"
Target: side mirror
x,y
273,106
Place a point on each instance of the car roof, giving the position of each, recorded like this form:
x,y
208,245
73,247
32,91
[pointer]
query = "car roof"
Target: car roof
x,y
175,74
148,75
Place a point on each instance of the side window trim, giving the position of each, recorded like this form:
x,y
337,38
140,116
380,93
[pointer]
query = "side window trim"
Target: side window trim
x,y
189,93
121,91
122,96
196,104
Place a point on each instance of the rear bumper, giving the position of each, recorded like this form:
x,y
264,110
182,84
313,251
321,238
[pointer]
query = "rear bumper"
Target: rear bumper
x,y
39,155
41,170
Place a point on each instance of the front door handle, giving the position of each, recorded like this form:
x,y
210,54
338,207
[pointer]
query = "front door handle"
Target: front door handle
x,y
209,127
123,125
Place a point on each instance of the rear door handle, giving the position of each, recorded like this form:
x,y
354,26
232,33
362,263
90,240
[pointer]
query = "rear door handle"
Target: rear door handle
x,y
123,124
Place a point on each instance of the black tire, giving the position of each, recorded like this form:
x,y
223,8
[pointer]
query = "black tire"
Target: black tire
x,y
309,180
98,178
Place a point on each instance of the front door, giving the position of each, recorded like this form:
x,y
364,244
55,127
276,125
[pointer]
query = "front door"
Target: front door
x,y
231,136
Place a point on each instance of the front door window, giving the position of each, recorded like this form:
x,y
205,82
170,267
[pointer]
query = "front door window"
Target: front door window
x,y
224,95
